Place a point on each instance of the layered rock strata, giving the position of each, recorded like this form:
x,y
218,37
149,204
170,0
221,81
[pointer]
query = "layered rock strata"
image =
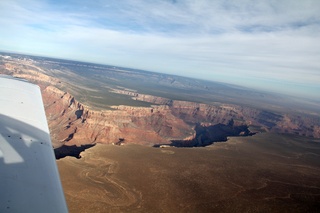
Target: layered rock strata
x,y
72,123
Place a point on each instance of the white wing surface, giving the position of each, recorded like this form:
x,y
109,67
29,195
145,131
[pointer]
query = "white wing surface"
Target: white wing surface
x,y
29,178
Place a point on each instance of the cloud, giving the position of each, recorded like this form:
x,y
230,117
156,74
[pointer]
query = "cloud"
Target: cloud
x,y
235,41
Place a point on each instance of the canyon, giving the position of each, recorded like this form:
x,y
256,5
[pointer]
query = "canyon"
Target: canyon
x,y
270,162
165,121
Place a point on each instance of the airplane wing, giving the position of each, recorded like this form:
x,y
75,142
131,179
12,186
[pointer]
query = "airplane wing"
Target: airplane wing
x,y
29,178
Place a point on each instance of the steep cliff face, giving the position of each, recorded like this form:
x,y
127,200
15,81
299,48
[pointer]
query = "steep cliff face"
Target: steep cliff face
x,y
282,123
72,123
208,134
194,113
29,72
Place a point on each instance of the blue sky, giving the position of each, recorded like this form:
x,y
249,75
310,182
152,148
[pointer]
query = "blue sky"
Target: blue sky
x,y
266,44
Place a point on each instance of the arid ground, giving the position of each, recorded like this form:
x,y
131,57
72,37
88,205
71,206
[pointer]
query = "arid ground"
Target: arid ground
x,y
263,173
89,107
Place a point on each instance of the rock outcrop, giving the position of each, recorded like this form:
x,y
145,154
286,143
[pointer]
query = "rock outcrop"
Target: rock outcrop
x,y
72,123
191,112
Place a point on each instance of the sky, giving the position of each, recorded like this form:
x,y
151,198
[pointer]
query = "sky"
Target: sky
x,y
265,44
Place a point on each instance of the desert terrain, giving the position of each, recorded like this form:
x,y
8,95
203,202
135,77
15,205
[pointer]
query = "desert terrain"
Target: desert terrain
x,y
88,103
268,163
266,172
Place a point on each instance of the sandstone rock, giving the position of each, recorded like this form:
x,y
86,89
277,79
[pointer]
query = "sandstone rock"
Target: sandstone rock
x,y
72,123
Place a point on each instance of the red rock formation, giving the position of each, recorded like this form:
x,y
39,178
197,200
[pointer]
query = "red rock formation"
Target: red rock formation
x,y
213,114
72,123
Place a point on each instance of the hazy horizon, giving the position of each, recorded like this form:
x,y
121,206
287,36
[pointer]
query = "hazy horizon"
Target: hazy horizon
x,y
267,45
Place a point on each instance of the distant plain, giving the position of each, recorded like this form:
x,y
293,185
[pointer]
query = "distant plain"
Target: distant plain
x,y
91,84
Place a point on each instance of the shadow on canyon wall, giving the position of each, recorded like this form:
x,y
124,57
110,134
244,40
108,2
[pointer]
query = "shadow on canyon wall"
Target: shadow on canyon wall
x,y
73,151
207,135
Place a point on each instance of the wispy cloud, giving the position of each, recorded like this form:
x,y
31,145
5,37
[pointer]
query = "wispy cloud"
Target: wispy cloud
x,y
242,42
